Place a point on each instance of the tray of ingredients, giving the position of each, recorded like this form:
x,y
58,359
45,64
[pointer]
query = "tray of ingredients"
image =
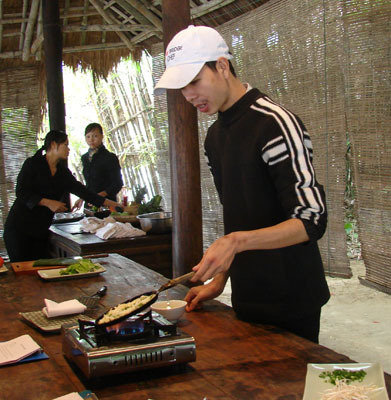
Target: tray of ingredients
x,y
345,381
80,269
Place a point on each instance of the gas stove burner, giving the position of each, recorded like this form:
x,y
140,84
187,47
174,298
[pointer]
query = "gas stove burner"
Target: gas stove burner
x,y
143,341
137,327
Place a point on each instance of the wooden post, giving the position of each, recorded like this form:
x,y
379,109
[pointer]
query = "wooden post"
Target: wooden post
x,y
53,63
184,157
3,177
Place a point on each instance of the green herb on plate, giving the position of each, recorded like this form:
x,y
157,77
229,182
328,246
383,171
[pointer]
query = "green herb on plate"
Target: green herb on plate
x,y
344,375
81,267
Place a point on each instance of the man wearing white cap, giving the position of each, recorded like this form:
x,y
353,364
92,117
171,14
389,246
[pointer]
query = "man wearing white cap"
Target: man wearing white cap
x,y
260,156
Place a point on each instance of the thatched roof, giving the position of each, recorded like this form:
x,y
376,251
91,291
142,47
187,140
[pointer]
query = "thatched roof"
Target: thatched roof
x,y
98,33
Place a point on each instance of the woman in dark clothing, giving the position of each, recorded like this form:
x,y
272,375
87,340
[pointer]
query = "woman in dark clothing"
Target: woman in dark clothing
x,y
101,169
41,184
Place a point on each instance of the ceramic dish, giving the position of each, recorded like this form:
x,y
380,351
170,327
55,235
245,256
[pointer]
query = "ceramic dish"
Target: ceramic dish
x,y
54,274
61,218
315,386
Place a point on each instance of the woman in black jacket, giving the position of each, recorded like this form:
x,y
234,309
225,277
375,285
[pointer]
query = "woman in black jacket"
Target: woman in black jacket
x,y
101,169
41,184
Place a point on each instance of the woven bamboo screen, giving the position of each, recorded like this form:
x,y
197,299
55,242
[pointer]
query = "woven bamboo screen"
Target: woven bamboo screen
x,y
367,26
19,125
292,51
124,108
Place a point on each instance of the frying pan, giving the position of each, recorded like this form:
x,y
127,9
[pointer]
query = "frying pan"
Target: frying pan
x,y
171,283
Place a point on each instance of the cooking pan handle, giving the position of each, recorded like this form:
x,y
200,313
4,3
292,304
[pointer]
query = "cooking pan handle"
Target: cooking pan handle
x,y
176,281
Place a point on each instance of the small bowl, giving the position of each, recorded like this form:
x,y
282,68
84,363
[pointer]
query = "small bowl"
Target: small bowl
x,y
156,222
170,309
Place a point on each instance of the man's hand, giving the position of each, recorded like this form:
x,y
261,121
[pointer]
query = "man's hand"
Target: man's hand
x,y
198,294
217,258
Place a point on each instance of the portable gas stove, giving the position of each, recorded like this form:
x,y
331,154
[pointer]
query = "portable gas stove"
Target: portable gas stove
x,y
140,342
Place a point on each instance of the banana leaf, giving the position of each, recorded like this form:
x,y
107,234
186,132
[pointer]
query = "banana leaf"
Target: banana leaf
x,y
55,261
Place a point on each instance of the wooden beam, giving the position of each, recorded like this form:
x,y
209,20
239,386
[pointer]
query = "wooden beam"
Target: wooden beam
x,y
109,19
110,28
1,26
23,24
95,47
74,12
11,54
73,49
184,158
209,7
124,17
30,29
109,4
3,177
84,22
38,50
146,13
131,12
145,35
155,10
36,44
53,63
65,19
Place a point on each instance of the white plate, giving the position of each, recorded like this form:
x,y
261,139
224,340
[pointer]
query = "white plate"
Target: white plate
x,y
315,386
67,217
54,274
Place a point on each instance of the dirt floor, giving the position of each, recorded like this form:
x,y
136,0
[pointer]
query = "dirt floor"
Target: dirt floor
x,y
356,321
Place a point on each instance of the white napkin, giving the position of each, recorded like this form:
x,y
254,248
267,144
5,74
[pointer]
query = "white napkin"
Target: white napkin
x,y
118,230
92,224
54,309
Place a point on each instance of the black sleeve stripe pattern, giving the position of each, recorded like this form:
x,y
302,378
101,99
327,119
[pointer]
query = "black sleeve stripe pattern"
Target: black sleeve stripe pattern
x,y
308,144
307,193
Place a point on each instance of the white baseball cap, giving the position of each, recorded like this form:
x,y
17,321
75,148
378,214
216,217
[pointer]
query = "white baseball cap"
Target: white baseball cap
x,y
187,53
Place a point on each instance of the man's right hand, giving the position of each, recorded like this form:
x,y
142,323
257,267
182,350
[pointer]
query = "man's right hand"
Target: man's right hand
x,y
198,294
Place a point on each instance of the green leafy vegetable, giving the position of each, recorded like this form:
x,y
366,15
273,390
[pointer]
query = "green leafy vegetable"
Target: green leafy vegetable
x,y
123,214
81,267
140,193
152,205
343,375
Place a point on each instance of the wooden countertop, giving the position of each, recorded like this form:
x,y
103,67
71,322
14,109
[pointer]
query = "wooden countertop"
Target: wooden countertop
x,y
73,232
235,360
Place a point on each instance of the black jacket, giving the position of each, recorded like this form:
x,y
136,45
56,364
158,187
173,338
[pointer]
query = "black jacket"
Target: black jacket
x,y
260,156
103,173
35,182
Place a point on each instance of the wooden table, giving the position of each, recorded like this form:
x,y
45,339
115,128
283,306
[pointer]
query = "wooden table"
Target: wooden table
x,y
153,251
235,360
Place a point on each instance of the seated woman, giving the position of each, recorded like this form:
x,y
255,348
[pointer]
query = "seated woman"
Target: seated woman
x,y
41,184
101,169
